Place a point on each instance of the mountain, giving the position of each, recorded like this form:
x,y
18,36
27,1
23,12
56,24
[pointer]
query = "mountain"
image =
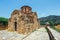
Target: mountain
x,y
52,19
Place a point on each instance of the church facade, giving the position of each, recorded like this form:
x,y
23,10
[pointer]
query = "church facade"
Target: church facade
x,y
23,21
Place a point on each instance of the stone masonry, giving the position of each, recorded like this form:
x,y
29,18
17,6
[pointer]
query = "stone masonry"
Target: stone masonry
x,y
23,21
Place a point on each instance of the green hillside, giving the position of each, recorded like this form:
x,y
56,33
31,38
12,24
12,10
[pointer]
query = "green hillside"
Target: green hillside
x,y
3,21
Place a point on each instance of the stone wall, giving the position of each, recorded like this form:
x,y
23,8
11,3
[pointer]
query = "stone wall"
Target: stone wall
x,y
23,21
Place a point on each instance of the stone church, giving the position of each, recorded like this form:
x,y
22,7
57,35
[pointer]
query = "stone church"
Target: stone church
x,y
23,21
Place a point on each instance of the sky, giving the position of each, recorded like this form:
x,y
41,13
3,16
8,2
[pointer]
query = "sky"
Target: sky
x,y
43,8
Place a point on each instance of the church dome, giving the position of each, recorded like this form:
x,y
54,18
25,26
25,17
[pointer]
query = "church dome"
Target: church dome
x,y
26,7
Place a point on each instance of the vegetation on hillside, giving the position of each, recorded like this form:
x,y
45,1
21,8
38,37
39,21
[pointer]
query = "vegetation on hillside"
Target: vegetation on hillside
x,y
52,19
3,21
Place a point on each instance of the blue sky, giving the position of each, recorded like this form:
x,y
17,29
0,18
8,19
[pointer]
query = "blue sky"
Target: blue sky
x,y
42,7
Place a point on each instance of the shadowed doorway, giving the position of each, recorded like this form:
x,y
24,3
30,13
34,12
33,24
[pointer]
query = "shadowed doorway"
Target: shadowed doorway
x,y
15,26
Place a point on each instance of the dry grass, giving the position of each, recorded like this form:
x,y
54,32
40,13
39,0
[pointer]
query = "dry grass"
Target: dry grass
x,y
57,27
